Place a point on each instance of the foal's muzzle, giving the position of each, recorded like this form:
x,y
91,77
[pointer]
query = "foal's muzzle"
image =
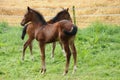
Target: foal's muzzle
x,y
22,24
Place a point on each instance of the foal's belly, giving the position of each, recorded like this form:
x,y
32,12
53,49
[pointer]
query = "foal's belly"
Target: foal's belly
x,y
50,39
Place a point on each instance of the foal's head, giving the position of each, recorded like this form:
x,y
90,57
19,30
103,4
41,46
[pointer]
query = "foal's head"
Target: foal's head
x,y
33,16
64,14
27,17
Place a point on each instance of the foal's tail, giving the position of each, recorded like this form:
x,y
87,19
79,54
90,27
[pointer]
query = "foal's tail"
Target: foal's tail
x,y
72,32
24,32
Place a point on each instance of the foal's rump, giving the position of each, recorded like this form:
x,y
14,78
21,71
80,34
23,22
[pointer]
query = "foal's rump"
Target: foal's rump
x,y
68,28
73,31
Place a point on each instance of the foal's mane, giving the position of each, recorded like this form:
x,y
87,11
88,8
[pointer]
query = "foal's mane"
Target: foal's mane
x,y
40,16
54,19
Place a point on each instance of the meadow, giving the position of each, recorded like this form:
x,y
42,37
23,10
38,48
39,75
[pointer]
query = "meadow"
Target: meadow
x,y
98,55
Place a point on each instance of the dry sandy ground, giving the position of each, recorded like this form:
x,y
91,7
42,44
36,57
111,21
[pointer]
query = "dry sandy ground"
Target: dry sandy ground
x,y
87,11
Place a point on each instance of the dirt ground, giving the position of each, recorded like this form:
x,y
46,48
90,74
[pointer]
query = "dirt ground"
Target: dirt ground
x,y
87,11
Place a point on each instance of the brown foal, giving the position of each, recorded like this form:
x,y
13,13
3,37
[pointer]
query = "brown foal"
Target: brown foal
x,y
63,31
29,28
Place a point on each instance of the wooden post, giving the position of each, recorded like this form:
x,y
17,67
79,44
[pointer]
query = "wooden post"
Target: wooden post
x,y
74,18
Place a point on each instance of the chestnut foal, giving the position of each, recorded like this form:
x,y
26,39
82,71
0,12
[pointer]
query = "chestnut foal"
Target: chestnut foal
x,y
29,28
63,31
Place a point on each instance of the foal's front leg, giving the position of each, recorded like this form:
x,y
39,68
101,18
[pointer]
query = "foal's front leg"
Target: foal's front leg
x,y
25,46
52,55
42,48
30,47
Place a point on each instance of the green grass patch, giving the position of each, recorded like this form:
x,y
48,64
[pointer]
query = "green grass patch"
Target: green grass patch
x,y
98,49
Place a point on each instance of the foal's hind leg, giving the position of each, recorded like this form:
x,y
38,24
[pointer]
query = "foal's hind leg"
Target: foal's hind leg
x,y
68,55
54,45
62,48
74,56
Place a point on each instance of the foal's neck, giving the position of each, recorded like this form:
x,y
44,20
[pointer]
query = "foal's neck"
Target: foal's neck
x,y
38,18
37,23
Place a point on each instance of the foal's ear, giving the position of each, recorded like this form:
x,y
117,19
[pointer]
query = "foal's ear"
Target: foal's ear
x,y
67,9
28,8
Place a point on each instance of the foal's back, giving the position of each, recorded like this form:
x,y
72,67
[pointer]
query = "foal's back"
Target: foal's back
x,y
52,32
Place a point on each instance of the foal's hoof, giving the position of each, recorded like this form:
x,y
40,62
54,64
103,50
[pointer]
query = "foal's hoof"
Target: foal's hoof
x,y
32,58
22,59
63,51
43,71
65,73
74,69
51,56
22,37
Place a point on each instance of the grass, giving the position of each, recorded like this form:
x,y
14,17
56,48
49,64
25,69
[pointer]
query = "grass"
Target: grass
x,y
98,48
